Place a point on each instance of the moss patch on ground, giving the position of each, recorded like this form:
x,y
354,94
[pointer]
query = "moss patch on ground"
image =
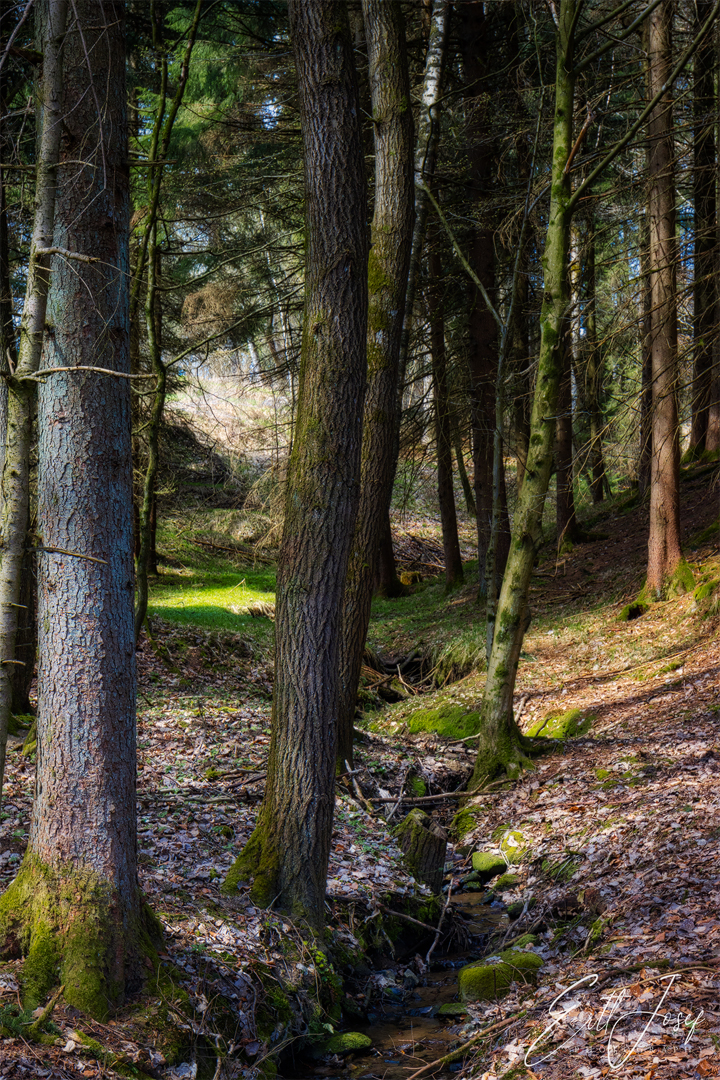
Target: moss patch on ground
x,y
563,725
448,721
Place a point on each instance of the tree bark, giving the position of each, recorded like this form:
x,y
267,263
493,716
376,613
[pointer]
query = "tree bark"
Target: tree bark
x,y
75,905
566,520
501,746
664,574
645,324
593,370
388,264
443,436
426,143
705,228
482,328
288,851
21,386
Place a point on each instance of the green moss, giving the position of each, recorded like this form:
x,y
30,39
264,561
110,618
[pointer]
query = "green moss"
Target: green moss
x,y
704,535
635,610
705,589
487,866
515,910
562,725
417,786
487,981
452,1008
526,939
602,774
30,745
463,822
347,1042
514,845
448,721
68,925
506,881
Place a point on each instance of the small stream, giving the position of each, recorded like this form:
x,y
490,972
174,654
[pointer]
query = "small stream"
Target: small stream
x,y
407,1034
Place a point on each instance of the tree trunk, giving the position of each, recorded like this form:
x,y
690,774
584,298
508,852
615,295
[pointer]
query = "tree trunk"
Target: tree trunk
x,y
387,282
388,583
22,387
566,521
704,286
501,746
288,851
645,455
483,343
666,569
75,905
26,636
593,371
443,437
462,471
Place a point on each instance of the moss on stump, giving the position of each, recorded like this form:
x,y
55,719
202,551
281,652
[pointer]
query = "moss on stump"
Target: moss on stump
x,y
423,844
485,982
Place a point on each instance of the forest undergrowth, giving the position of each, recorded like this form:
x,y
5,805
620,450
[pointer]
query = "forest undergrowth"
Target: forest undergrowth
x,y
613,839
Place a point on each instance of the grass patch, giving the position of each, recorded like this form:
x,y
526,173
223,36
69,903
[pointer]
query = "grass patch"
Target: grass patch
x,y
218,601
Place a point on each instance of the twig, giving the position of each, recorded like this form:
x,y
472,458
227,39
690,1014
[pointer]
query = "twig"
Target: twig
x,y
68,254
34,1029
425,798
81,367
497,1026
14,34
406,918
75,554
357,789
439,925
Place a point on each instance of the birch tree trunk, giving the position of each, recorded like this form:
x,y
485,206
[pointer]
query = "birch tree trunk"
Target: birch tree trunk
x,y
75,906
21,387
287,853
501,745
387,283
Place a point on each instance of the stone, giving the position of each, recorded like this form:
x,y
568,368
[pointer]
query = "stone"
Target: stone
x,y
485,982
487,866
347,1042
423,844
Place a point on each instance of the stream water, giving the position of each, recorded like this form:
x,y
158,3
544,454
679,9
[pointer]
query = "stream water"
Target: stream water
x,y
407,1029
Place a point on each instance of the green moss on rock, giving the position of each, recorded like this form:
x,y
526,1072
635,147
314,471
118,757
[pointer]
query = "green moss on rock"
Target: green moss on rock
x,y
347,1042
506,881
513,846
448,721
563,725
484,982
464,822
487,866
452,1008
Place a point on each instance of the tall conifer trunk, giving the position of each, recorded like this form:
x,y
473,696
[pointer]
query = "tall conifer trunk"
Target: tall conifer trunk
x,y
75,905
664,553
387,283
705,290
288,852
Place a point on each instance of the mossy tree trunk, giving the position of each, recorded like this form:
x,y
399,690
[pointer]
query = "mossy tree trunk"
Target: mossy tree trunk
x,y
664,552
593,369
441,403
423,844
388,264
75,907
645,327
288,852
21,385
565,511
705,291
500,745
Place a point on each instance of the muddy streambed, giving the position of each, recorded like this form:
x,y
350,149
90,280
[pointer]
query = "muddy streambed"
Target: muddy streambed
x,y
410,1029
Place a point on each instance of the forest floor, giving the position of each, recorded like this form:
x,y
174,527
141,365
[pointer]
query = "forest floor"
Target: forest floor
x,y
618,831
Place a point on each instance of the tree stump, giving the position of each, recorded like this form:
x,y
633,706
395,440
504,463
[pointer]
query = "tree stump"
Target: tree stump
x,y
423,844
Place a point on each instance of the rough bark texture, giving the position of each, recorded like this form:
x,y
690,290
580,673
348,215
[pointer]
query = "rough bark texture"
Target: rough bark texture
x,y
566,520
21,387
426,143
705,286
75,906
593,371
443,433
387,282
288,851
475,48
664,553
501,746
423,843
645,326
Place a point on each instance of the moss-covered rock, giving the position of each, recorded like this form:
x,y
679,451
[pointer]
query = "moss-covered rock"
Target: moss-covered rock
x,y
347,1042
486,866
452,1008
423,844
448,721
515,910
563,725
526,939
484,982
506,881
635,610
